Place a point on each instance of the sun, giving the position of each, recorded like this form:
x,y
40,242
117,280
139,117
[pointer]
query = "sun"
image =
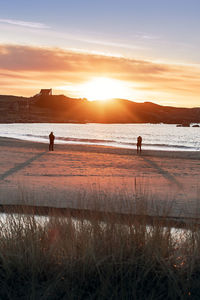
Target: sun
x,y
102,88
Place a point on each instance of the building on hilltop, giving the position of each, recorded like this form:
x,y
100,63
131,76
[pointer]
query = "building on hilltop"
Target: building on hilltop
x,y
45,92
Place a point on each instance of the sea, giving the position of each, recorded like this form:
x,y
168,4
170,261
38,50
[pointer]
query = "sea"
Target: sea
x,y
155,136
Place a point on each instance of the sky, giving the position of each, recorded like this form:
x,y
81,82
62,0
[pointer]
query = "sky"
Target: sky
x,y
145,50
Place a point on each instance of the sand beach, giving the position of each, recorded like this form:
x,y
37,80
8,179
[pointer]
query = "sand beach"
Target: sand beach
x,y
98,177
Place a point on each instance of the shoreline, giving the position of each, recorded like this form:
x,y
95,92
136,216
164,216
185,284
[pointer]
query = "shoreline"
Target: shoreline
x,y
4,141
91,177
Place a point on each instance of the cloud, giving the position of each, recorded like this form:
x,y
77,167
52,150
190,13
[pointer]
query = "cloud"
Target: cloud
x,y
23,58
146,36
24,23
31,68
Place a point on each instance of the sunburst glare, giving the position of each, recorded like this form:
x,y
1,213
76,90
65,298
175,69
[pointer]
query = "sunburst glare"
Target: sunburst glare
x,y
102,88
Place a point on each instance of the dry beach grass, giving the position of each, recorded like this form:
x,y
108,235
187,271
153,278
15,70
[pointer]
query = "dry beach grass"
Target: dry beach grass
x,y
65,256
60,257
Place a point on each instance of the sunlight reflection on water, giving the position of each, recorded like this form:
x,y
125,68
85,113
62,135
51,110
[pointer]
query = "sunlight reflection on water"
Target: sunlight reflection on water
x,y
178,235
155,136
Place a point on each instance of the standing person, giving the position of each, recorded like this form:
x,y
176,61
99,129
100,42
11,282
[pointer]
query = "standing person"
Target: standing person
x,y
139,144
51,141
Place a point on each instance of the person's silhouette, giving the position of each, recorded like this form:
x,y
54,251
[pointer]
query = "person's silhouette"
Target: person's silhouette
x,y
139,144
51,141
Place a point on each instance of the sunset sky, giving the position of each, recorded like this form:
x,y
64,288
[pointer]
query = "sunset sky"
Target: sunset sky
x,y
144,50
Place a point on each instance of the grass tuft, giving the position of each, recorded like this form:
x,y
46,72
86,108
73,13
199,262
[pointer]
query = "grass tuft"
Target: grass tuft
x,y
66,258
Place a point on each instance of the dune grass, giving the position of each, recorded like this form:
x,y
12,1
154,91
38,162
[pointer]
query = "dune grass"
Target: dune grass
x,y
64,258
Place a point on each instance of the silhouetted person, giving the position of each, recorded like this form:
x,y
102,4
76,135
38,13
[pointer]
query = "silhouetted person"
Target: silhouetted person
x,y
51,141
139,144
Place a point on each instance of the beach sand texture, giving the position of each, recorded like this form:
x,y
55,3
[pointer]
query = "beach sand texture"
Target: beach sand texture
x,y
98,177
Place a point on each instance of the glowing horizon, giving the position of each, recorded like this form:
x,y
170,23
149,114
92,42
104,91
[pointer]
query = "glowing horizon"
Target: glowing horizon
x,y
113,50
24,70
101,89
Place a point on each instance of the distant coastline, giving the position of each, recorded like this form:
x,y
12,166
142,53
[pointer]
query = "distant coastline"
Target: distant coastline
x,y
62,109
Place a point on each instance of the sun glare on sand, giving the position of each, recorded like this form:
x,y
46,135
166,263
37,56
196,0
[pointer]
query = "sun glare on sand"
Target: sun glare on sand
x,y
102,88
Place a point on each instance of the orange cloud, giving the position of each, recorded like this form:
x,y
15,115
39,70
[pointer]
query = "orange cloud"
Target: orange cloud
x,y
26,68
23,58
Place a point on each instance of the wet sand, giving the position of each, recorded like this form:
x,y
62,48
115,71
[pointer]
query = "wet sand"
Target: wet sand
x,y
98,177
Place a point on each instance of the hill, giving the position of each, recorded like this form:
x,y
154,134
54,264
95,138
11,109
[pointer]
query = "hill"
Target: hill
x,y
59,108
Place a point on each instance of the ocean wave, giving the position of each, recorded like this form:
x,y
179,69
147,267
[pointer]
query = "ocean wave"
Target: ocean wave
x,y
155,137
116,143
